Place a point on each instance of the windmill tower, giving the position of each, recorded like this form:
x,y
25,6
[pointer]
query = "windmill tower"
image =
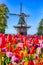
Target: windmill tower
x,y
22,25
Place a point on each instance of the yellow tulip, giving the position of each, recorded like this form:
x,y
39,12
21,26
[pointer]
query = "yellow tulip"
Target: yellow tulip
x,y
26,63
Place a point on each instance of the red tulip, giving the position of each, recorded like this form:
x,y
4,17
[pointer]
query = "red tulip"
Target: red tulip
x,y
1,34
32,49
2,41
35,40
14,39
41,37
10,64
9,38
18,34
30,62
11,49
38,63
18,55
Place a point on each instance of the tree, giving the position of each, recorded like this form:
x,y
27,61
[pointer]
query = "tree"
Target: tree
x,y
3,17
40,28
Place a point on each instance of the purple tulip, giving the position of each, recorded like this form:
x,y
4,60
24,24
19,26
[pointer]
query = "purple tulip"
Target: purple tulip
x,y
3,49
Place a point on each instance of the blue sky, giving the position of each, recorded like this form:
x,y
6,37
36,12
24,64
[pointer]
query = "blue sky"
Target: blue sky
x,y
32,7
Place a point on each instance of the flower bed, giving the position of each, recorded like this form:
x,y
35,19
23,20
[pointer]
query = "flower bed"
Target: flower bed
x,y
21,50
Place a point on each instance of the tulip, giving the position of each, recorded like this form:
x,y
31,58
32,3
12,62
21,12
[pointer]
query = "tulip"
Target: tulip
x,y
18,55
9,54
20,44
3,49
1,34
38,63
14,59
26,63
41,41
9,38
34,62
10,64
32,49
2,42
36,56
41,37
21,53
18,34
22,63
30,62
2,45
35,40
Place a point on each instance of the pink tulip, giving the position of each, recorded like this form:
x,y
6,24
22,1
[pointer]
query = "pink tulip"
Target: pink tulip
x,y
35,55
34,62
9,54
14,59
22,63
20,44
40,41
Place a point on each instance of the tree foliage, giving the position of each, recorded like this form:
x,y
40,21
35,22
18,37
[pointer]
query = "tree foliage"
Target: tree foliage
x,y
40,28
3,17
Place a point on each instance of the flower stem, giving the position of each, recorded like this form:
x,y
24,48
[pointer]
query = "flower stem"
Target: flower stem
x,y
0,57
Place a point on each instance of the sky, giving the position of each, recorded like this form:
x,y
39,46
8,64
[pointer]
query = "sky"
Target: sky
x,y
32,7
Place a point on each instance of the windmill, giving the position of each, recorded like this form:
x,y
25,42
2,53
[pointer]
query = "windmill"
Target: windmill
x,y
22,25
